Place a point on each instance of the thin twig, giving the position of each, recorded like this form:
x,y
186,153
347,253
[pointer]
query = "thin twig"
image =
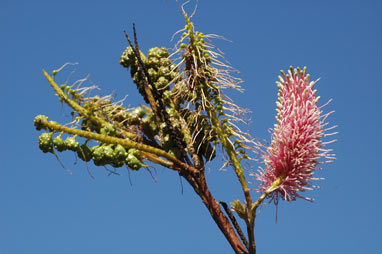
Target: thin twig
x,y
234,223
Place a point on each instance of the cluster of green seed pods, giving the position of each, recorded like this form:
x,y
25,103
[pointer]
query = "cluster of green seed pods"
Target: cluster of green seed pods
x,y
163,73
101,154
116,156
160,68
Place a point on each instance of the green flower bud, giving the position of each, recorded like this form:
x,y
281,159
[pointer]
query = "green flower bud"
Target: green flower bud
x,y
45,142
153,52
97,152
127,57
59,144
165,62
163,71
153,61
99,156
134,152
108,129
120,153
37,122
153,73
163,52
161,83
108,153
72,144
133,162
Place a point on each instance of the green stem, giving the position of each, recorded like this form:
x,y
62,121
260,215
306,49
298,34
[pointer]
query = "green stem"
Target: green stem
x,y
78,108
124,142
265,194
66,98
232,155
252,214
240,175
156,159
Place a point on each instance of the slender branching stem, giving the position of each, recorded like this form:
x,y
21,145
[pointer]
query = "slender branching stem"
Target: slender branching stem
x,y
124,142
234,223
78,108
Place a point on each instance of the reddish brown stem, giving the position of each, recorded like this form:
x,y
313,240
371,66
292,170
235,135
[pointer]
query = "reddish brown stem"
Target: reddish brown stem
x,y
200,186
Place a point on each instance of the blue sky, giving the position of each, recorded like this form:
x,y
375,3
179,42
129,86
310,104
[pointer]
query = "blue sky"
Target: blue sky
x,y
45,210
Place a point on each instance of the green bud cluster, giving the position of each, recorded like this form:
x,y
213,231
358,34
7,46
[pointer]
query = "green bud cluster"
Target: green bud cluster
x,y
45,142
128,58
37,122
162,71
102,154
200,44
160,68
72,144
59,144
133,160
108,129
69,91
116,156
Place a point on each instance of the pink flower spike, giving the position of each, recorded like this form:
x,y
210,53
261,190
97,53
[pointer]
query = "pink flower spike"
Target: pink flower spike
x,y
296,146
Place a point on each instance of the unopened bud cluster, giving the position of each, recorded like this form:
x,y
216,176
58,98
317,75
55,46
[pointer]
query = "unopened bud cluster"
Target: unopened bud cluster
x,y
101,154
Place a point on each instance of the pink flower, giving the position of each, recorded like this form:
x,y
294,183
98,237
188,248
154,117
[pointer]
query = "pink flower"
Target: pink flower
x,y
296,146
